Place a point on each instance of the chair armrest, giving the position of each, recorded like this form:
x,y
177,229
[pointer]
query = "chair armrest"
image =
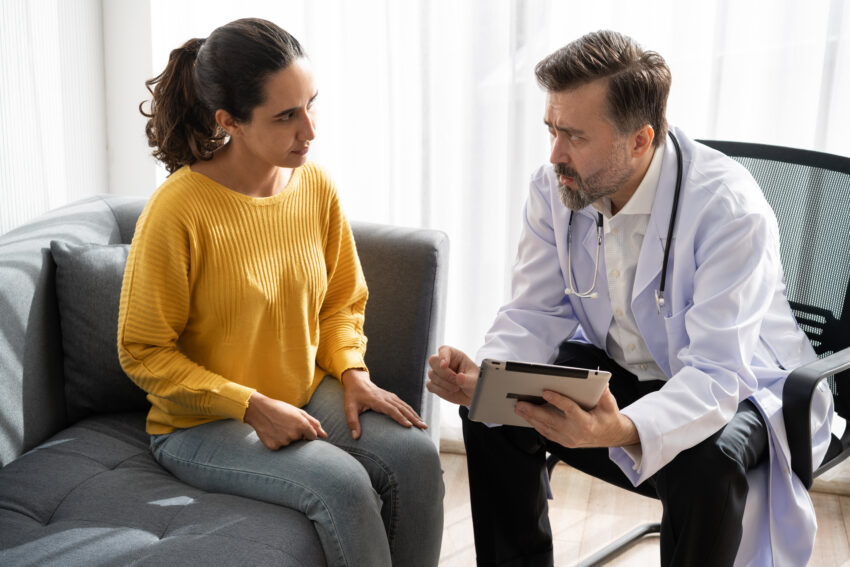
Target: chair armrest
x,y
797,394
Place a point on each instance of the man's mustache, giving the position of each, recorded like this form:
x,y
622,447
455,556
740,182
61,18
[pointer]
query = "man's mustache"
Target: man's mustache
x,y
565,170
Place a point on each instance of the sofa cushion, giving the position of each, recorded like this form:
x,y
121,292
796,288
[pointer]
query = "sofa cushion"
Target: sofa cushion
x,y
88,289
94,495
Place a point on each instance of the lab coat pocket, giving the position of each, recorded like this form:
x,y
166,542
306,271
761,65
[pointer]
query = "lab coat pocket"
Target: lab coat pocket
x,y
677,335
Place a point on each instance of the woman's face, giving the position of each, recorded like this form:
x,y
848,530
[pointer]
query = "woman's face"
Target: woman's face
x,y
280,130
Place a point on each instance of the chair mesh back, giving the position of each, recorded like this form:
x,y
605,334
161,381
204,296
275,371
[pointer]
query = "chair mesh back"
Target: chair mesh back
x,y
810,195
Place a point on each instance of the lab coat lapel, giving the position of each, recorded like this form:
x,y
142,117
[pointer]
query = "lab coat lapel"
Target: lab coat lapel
x,y
648,269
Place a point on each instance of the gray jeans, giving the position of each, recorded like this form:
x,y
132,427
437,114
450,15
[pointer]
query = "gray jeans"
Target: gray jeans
x,y
375,501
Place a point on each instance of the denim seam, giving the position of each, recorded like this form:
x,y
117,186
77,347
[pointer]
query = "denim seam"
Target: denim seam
x,y
270,477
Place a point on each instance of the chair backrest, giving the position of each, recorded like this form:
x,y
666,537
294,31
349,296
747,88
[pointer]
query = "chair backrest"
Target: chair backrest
x,y
810,195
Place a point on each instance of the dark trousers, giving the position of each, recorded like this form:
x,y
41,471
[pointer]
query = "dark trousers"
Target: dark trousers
x,y
703,490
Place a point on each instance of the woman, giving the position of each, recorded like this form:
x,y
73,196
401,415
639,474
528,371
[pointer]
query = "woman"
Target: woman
x,y
242,311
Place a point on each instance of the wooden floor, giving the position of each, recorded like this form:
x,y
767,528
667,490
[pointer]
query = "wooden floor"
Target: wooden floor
x,y
588,513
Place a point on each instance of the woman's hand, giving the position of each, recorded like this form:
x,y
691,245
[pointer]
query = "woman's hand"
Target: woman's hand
x,y
453,376
278,423
362,394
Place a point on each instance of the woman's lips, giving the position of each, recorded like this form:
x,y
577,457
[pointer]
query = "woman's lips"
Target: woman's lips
x,y
302,152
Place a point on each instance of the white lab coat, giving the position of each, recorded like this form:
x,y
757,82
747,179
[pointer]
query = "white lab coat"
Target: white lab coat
x,y
725,333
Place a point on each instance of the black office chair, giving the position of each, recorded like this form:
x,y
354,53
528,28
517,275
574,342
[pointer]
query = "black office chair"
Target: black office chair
x,y
810,194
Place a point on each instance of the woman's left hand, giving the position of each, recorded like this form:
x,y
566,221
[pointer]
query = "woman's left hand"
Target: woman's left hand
x,y
361,394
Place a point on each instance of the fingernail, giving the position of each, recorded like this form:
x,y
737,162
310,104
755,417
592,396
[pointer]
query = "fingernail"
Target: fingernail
x,y
547,396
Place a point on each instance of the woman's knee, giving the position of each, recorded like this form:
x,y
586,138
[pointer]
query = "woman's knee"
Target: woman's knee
x,y
412,458
340,477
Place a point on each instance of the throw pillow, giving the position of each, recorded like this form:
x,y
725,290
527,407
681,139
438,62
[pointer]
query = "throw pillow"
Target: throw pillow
x,y
88,290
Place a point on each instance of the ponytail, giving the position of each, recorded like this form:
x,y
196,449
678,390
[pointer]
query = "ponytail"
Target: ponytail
x,y
180,128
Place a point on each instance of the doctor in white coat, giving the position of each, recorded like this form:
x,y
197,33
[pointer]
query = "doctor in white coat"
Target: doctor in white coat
x,y
693,415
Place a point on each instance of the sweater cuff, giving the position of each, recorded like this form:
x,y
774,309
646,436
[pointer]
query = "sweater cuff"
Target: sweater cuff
x,y
231,400
345,359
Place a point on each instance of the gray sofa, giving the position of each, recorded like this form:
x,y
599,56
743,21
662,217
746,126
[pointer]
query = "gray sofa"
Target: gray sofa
x,y
78,485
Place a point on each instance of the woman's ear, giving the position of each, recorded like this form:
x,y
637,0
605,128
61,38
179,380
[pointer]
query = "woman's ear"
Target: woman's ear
x,y
227,122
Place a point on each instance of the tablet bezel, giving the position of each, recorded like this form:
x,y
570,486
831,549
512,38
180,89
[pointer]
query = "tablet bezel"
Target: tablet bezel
x,y
502,382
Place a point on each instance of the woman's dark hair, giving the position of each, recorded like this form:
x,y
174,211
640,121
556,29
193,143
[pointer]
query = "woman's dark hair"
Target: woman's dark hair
x,y
638,80
228,71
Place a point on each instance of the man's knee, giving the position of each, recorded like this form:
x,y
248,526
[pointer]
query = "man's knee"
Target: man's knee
x,y
701,469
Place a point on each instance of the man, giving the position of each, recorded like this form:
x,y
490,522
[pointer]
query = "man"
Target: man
x,y
698,341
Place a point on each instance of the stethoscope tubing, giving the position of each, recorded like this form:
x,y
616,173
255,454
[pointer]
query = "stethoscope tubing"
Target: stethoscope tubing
x,y
659,294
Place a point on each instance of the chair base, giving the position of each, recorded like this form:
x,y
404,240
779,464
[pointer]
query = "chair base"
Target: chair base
x,y
620,545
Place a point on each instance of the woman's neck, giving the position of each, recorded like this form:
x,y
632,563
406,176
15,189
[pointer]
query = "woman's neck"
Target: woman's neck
x,y
242,172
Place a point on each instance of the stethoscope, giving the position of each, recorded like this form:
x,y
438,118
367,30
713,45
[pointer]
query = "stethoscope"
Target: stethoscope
x,y
659,293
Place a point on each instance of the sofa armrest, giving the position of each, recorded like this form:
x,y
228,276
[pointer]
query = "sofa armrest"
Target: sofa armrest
x,y
405,270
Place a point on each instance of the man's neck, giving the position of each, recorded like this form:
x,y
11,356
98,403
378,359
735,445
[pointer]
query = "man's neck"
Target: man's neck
x,y
621,197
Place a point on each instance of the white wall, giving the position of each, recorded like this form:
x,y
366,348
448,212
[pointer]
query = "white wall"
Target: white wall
x,y
128,63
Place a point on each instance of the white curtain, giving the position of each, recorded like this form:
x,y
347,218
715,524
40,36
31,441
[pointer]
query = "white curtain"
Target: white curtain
x,y
53,142
429,114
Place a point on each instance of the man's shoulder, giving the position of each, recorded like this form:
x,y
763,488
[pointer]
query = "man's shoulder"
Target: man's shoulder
x,y
712,175
544,174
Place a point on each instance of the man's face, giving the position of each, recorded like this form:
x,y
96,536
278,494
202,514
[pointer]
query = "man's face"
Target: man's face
x,y
590,157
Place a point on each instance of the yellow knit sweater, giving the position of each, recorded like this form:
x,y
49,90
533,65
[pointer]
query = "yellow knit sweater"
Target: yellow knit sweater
x,y
225,294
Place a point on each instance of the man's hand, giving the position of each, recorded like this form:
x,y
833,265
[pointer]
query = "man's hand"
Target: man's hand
x,y
452,376
278,423
362,394
602,426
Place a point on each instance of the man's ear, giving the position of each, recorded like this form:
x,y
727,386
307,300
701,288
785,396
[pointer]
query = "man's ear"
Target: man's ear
x,y
642,140
227,122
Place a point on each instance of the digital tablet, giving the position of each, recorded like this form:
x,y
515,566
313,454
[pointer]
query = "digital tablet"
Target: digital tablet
x,y
502,383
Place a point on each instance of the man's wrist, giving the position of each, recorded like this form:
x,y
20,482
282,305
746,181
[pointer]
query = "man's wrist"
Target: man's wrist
x,y
629,433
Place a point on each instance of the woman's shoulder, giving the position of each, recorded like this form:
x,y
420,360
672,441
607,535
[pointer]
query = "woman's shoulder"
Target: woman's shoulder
x,y
175,199
317,176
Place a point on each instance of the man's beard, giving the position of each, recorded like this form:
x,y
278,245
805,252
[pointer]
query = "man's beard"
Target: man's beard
x,y
600,184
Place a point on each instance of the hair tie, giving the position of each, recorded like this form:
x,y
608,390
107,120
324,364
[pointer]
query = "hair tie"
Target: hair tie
x,y
193,47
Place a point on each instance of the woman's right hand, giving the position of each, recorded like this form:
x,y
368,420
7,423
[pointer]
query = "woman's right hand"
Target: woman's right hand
x,y
453,376
278,423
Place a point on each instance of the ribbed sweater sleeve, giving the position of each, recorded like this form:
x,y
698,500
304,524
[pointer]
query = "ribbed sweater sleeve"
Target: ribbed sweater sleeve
x,y
342,344
153,312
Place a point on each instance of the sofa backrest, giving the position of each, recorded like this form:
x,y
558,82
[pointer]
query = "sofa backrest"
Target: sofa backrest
x,y
32,398
404,267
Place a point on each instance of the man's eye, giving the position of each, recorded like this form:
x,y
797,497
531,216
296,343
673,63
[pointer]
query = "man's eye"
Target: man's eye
x,y
285,117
